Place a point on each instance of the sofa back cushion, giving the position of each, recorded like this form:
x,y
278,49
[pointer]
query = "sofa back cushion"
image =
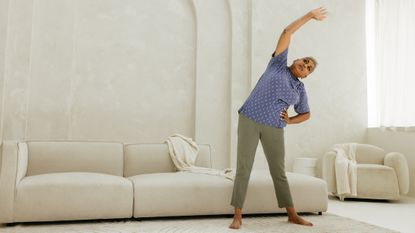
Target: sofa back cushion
x,y
155,158
369,154
71,156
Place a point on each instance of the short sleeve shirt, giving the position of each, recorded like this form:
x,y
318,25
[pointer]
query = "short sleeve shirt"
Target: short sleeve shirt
x,y
275,91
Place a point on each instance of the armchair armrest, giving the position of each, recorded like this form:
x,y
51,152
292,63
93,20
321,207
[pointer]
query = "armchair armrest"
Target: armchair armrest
x,y
329,173
397,161
14,166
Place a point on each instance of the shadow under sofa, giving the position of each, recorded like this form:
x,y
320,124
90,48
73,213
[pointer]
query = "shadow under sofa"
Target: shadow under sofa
x,y
83,180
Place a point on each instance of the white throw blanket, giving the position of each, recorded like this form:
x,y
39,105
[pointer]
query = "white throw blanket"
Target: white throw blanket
x,y
183,152
346,169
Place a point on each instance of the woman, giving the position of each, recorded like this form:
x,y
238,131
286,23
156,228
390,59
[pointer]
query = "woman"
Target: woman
x,y
264,115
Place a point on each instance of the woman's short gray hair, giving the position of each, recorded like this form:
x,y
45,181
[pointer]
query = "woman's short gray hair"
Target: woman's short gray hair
x,y
314,61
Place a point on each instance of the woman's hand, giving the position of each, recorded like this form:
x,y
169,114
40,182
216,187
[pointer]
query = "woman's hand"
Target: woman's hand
x,y
284,116
319,13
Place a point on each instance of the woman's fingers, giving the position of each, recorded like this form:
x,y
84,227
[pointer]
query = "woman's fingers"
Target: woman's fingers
x,y
284,115
320,13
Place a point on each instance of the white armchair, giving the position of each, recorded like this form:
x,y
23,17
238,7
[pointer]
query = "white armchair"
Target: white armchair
x,y
380,175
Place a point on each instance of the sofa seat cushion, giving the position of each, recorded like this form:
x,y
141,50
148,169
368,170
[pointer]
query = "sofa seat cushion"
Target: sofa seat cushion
x,y
309,193
73,196
180,194
185,193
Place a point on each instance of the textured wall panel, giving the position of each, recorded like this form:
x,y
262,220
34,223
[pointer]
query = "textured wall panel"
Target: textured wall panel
x,y
139,71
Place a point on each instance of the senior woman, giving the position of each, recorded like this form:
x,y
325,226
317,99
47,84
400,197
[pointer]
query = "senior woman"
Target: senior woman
x,y
264,115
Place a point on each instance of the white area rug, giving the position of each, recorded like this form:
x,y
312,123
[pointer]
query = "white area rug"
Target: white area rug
x,y
261,224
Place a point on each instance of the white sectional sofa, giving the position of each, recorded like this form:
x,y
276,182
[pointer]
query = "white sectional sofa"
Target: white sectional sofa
x,y
73,180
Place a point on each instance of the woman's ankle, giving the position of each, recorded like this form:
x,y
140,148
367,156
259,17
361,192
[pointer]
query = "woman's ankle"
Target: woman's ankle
x,y
291,212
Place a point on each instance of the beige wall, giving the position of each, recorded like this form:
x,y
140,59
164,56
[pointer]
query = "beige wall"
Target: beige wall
x,y
4,9
402,142
141,70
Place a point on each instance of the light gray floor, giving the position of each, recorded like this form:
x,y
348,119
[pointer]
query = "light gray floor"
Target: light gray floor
x,y
396,215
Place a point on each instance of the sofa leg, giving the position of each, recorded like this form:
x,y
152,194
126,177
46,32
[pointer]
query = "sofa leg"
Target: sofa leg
x,y
320,213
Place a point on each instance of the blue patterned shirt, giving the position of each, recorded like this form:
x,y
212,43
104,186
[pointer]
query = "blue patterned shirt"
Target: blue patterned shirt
x,y
275,90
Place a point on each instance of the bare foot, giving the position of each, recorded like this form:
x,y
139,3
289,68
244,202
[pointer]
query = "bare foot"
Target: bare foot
x,y
299,220
236,223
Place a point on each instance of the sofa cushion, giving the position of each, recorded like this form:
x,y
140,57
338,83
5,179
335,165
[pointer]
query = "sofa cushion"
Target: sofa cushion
x,y
309,193
73,196
155,158
67,156
185,193
180,193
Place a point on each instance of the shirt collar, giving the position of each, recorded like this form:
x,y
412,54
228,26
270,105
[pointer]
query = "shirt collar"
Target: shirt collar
x,y
294,80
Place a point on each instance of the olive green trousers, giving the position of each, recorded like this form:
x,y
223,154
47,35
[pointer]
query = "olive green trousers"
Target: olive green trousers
x,y
272,140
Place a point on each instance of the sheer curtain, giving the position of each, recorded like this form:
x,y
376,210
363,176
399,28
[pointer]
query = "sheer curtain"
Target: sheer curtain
x,y
394,63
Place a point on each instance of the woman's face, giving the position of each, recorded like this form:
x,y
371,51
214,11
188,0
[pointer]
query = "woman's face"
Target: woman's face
x,y
302,67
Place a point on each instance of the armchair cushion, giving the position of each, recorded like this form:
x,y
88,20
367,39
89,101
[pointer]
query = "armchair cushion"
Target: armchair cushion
x,y
376,182
369,154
